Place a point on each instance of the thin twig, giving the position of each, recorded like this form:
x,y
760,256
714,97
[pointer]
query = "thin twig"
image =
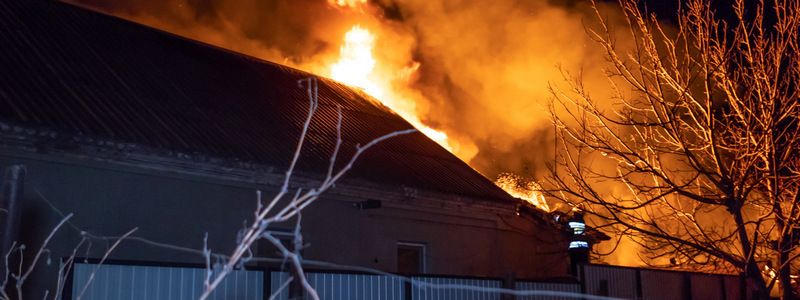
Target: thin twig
x,y
102,260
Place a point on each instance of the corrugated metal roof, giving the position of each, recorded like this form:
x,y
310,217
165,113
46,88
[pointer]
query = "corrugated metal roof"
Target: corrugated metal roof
x,y
87,74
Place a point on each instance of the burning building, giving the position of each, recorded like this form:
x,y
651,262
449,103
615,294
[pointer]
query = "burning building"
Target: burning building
x,y
125,126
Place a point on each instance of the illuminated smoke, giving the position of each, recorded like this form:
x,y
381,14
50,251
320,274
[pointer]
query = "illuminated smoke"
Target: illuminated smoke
x,y
479,72
527,190
476,71
473,76
348,3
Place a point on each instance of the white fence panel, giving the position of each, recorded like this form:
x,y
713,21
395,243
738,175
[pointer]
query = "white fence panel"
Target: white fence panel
x,y
448,289
339,286
115,281
546,286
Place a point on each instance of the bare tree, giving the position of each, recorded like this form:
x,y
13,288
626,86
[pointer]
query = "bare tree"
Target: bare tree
x,y
697,158
20,272
287,205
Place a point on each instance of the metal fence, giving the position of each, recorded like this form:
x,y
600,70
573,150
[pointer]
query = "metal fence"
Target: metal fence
x,y
443,288
116,281
658,285
132,281
733,288
705,286
610,281
635,283
546,287
336,286
339,286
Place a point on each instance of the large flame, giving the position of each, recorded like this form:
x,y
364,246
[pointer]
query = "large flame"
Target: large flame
x,y
527,190
356,66
356,62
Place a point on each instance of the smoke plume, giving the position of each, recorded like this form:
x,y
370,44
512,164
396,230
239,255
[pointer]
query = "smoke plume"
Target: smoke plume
x,y
484,66
478,70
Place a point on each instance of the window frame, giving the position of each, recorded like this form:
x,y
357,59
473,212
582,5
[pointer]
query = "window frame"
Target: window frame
x,y
423,251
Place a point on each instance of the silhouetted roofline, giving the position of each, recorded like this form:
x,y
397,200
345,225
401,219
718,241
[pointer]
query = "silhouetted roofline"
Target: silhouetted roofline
x,y
89,76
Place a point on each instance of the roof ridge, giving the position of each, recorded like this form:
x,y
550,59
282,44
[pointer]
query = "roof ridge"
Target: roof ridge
x,y
182,94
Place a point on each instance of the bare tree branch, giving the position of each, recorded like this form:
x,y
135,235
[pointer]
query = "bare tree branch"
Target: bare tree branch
x,y
696,156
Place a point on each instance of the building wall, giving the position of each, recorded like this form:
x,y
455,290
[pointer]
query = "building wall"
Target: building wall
x,y
108,198
459,245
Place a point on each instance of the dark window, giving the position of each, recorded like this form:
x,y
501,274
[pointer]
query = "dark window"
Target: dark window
x,y
410,258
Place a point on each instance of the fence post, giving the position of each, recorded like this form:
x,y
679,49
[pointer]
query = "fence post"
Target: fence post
x,y
582,277
408,288
743,287
10,203
509,282
267,283
723,287
687,286
639,292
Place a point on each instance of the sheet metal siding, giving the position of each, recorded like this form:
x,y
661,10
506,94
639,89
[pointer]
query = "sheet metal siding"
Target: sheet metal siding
x,y
658,285
344,286
276,280
99,78
706,286
429,293
732,287
126,282
621,281
546,286
356,287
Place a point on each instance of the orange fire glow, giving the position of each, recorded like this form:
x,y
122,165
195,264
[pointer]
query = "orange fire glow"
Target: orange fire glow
x,y
347,3
356,62
527,190
356,66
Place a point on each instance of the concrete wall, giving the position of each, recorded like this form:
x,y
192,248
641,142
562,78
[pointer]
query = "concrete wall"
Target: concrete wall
x,y
176,208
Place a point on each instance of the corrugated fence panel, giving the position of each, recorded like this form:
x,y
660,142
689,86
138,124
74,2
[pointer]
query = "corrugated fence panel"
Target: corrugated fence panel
x,y
276,280
356,286
430,293
610,281
152,282
331,286
547,286
706,286
732,287
659,285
